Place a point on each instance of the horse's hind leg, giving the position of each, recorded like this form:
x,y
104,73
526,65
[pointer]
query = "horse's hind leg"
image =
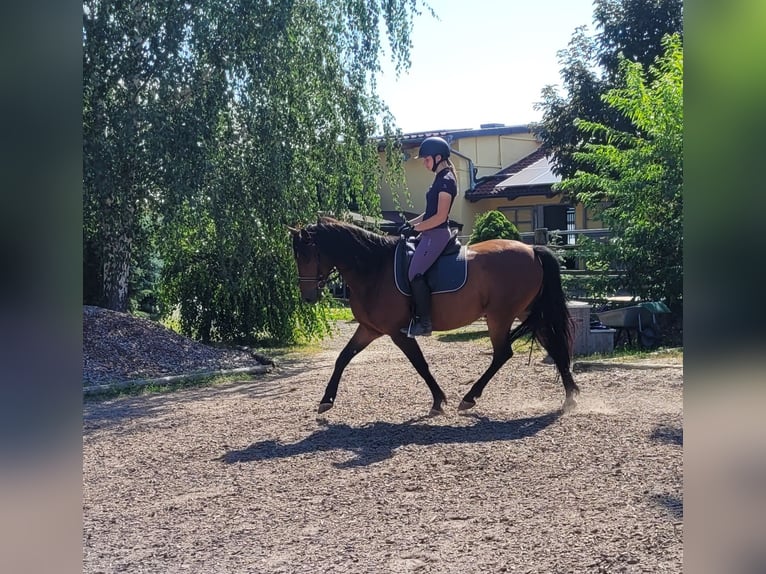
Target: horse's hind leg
x,y
559,352
361,338
502,351
410,348
571,389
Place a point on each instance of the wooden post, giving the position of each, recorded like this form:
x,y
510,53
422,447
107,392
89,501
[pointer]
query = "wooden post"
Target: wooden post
x,y
580,314
541,236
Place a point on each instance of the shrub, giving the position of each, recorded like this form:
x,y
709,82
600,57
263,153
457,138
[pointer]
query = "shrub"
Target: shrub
x,y
493,225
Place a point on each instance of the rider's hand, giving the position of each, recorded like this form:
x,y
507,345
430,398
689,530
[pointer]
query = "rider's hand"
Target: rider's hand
x,y
407,230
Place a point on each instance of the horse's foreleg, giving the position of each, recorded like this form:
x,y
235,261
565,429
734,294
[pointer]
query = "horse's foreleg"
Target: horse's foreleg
x,y
410,348
502,351
362,337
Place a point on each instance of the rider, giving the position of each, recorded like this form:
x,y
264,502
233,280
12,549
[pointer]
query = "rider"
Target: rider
x,y
433,227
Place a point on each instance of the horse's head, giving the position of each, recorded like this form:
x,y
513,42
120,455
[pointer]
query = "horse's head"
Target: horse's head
x,y
313,270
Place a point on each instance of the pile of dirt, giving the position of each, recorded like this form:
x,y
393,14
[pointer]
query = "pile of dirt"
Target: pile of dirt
x,y
119,347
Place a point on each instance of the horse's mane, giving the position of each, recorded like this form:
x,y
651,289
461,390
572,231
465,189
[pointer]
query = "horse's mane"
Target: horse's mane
x,y
351,246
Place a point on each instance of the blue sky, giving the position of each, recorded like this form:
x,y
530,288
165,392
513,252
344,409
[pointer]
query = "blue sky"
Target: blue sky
x,y
499,53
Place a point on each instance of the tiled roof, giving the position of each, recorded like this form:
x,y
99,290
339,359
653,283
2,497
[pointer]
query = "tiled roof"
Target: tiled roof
x,y
415,138
487,186
420,136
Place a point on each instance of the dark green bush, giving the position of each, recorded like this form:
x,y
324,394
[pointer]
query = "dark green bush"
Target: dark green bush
x,y
493,225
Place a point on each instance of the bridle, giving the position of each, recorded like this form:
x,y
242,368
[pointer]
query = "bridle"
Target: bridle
x,y
319,278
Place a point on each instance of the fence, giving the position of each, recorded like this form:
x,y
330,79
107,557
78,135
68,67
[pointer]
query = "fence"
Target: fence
x,y
580,283
542,235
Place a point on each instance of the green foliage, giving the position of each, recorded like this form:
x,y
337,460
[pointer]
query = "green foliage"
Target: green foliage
x,y
629,29
493,225
634,30
594,288
583,87
209,127
636,182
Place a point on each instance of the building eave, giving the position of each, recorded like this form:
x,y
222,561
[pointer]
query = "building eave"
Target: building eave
x,y
511,193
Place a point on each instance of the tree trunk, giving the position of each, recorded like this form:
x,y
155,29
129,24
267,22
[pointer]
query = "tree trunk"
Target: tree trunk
x,y
117,274
118,241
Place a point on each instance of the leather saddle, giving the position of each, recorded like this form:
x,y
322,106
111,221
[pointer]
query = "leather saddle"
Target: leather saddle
x,y
447,274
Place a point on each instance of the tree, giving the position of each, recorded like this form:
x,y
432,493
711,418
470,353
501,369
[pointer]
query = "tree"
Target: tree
x,y
210,126
493,225
634,30
582,99
134,86
628,29
636,182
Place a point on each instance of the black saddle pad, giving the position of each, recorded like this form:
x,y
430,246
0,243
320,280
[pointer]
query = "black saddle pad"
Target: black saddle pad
x,y
447,274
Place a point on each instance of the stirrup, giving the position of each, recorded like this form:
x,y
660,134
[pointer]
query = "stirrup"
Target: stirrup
x,y
416,329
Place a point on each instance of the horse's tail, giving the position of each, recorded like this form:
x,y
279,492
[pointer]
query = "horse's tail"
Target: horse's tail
x,y
548,320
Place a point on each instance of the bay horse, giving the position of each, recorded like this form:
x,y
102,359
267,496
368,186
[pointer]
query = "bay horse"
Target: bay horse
x,y
506,279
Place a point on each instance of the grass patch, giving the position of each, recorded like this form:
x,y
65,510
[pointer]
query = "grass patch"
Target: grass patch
x,y
670,353
340,314
637,353
462,335
157,388
479,333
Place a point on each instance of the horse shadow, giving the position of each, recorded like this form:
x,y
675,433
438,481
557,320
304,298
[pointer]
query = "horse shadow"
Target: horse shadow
x,y
674,505
666,434
378,441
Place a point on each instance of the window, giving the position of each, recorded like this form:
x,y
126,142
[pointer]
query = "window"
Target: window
x,y
521,217
571,225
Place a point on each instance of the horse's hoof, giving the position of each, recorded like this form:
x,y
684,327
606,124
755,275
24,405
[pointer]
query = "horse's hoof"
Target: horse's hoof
x,y
465,405
324,407
569,405
434,412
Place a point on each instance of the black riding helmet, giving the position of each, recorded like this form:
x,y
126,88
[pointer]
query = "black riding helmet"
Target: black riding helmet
x,y
434,146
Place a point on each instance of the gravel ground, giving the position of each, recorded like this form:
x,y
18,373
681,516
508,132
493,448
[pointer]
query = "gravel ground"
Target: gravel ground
x,y
245,477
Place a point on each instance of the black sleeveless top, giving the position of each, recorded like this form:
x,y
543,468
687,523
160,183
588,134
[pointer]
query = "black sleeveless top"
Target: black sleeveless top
x,y
444,181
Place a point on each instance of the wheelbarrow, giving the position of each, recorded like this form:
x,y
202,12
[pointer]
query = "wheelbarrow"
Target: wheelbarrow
x,y
641,319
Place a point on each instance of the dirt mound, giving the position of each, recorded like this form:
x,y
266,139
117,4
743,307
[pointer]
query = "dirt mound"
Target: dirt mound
x,y
120,347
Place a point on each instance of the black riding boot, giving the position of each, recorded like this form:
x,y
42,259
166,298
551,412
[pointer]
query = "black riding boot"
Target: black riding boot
x,y
421,320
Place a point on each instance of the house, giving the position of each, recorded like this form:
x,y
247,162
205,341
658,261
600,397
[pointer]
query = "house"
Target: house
x,y
498,167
